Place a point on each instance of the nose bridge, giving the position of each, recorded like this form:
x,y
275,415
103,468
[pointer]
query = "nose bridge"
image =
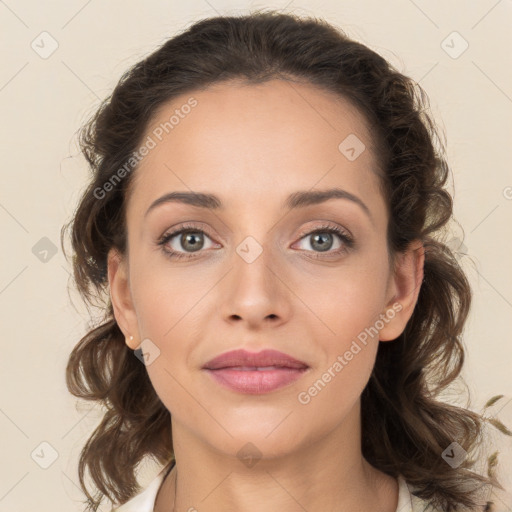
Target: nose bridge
x,y
254,290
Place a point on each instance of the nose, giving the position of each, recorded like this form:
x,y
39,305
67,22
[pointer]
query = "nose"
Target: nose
x,y
255,293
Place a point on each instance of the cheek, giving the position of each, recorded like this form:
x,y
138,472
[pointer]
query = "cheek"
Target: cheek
x,y
346,333
345,301
348,346
164,297
168,306
330,396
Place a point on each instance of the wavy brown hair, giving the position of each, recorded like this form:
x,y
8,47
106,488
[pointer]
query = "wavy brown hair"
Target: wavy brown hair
x,y
405,424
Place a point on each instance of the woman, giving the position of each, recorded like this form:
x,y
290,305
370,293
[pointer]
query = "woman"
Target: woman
x,y
263,221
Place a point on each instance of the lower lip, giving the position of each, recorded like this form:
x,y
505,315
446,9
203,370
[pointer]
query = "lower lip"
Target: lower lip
x,y
256,382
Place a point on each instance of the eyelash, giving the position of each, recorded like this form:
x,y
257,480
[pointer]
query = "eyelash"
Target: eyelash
x,y
347,240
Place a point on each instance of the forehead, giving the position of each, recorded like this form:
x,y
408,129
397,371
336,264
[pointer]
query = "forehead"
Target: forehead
x,y
245,141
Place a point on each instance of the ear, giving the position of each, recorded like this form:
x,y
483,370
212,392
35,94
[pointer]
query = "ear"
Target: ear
x,y
404,288
120,295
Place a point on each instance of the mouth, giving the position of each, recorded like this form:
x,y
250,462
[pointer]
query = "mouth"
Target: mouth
x,y
255,373
253,368
243,359
256,381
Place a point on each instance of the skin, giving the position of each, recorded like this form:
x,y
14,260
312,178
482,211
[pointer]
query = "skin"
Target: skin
x,y
253,146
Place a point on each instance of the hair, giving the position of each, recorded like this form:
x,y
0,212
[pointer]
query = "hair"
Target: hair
x,y
405,425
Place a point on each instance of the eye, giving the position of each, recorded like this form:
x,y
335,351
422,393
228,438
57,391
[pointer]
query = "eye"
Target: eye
x,y
188,240
184,242
322,239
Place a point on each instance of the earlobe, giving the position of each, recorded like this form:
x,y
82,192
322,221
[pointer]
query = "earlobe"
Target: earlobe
x,y
120,295
405,284
130,342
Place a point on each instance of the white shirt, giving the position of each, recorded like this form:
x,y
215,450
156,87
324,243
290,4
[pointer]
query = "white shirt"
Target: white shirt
x,y
145,501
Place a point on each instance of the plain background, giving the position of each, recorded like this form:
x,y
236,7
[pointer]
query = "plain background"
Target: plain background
x,y
44,101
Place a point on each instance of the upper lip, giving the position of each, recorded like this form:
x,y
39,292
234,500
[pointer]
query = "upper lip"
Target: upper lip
x,y
264,358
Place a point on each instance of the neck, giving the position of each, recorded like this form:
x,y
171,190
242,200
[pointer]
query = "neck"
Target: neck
x,y
326,475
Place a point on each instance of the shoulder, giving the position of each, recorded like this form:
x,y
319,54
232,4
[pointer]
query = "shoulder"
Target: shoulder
x,y
145,500
408,502
497,501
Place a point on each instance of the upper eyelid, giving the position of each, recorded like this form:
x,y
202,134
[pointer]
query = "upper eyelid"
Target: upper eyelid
x,y
191,227
325,225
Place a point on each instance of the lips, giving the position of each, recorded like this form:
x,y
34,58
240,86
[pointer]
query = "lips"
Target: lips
x,y
255,373
244,360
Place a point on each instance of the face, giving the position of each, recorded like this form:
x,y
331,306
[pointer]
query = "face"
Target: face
x,y
312,280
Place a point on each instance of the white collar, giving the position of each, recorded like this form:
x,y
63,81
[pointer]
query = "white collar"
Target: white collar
x,y
145,501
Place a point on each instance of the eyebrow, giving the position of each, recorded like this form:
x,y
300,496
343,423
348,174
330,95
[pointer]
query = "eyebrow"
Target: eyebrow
x,y
299,199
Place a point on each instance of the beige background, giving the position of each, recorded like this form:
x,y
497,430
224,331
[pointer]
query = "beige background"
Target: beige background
x,y
44,101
